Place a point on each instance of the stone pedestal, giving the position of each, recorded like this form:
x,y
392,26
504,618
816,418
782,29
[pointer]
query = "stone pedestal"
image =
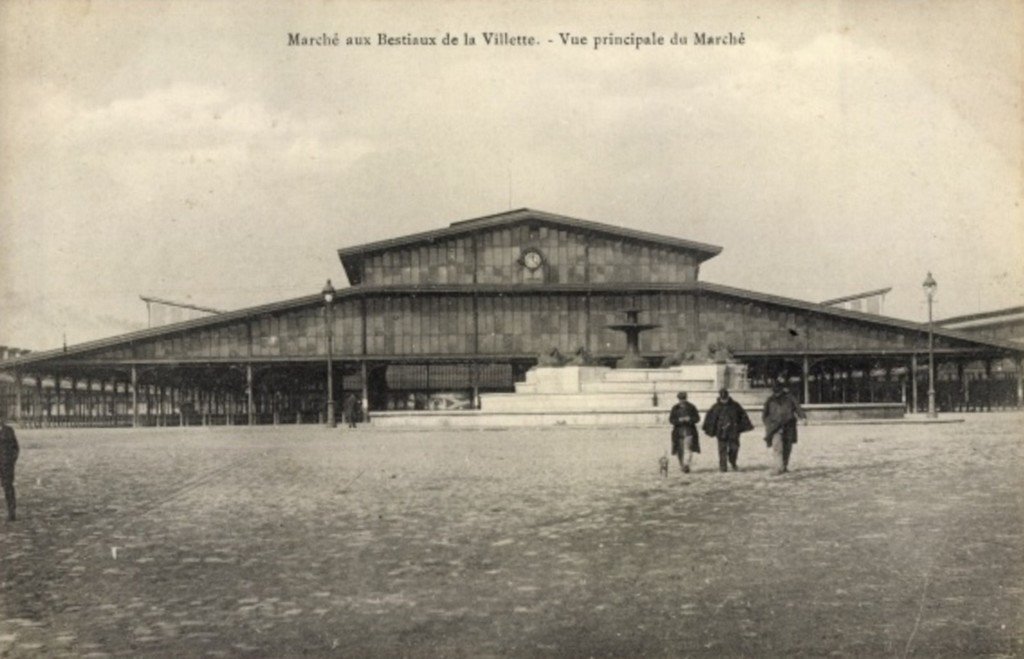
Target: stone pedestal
x,y
589,389
731,376
560,379
631,360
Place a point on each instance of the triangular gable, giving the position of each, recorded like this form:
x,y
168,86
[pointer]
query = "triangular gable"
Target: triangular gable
x,y
456,239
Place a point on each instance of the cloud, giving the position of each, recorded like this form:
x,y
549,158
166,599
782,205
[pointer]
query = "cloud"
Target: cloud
x,y
824,161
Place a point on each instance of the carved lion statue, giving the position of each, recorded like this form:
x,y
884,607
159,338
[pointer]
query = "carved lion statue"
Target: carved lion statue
x,y
551,358
678,359
718,352
581,357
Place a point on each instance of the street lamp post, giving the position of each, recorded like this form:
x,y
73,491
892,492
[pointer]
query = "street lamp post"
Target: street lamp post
x,y
328,294
929,289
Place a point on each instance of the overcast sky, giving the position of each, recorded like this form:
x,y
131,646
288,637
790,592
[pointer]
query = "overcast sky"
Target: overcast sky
x,y
184,150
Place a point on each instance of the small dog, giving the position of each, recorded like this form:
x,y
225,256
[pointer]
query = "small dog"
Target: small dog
x,y
663,464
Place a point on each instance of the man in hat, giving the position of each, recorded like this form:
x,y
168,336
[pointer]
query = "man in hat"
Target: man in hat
x,y
8,456
780,413
685,442
726,420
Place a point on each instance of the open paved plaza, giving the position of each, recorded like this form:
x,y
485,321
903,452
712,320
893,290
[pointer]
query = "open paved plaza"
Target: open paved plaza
x,y
885,540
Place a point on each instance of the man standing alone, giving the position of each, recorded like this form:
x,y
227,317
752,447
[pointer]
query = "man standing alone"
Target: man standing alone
x,y
684,418
780,413
726,420
8,456
348,410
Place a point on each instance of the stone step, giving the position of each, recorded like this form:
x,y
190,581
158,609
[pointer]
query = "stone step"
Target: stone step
x,y
659,375
666,386
673,386
520,402
476,419
597,402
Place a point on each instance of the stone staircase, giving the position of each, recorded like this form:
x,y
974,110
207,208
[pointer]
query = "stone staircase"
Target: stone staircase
x,y
594,396
598,389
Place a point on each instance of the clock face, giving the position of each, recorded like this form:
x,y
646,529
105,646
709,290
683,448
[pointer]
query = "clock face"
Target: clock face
x,y
532,259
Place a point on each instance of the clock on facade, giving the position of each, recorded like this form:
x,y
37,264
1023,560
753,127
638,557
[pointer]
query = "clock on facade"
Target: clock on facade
x,y
532,259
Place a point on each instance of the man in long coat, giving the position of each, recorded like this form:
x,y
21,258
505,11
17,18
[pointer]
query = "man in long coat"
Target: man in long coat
x,y
780,413
726,420
685,442
8,456
349,406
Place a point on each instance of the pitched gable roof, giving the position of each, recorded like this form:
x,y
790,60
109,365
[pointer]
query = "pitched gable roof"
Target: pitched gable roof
x,y
351,256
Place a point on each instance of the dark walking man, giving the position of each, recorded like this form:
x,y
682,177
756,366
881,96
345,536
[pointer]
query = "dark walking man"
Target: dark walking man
x,y
726,420
780,413
349,408
685,442
8,456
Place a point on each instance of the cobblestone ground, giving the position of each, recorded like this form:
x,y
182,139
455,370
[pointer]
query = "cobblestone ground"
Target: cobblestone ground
x,y
883,541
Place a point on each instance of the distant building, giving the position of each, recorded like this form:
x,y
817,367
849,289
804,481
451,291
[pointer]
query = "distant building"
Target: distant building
x,y
433,319
1003,325
1000,325
11,353
870,301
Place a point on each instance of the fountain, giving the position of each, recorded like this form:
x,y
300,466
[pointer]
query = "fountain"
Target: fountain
x,y
632,328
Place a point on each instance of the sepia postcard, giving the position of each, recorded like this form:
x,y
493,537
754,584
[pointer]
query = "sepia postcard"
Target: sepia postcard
x,y
345,328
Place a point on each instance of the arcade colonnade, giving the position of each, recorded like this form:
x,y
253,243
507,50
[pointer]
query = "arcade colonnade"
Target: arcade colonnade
x,y
961,384
296,392
235,394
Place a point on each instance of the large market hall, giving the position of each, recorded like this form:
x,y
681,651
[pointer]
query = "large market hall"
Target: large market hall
x,y
432,320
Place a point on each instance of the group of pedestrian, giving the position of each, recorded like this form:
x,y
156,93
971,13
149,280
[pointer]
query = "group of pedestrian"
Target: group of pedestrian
x,y
727,420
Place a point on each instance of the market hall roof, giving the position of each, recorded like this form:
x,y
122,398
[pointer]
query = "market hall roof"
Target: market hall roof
x,y
352,256
29,359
